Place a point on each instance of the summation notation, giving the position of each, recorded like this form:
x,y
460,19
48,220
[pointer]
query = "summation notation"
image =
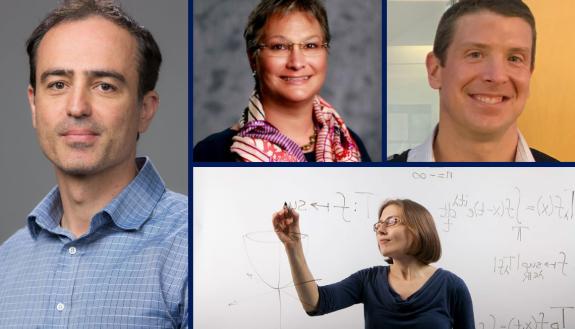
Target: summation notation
x,y
529,268
515,208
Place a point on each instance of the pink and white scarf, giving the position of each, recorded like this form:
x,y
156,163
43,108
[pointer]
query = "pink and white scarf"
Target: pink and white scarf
x,y
259,141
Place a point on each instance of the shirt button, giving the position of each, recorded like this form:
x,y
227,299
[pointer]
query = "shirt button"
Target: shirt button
x,y
72,250
60,307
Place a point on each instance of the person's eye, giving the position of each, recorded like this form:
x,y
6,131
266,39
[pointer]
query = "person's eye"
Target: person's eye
x,y
515,59
279,46
106,87
474,55
57,85
311,45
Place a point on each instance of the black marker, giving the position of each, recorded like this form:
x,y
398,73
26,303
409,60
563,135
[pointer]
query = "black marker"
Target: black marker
x,y
287,208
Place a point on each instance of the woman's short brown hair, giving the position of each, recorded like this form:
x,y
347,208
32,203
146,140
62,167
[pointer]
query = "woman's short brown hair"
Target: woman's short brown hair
x,y
267,8
426,246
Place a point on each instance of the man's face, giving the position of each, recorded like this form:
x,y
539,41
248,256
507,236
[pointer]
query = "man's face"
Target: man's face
x,y
85,107
484,83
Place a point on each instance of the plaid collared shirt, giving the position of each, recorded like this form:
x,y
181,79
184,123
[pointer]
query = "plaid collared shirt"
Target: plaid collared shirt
x,y
129,271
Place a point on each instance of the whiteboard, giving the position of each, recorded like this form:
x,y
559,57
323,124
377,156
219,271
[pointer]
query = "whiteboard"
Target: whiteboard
x,y
509,233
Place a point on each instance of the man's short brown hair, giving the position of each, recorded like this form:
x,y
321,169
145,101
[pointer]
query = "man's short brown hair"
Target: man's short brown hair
x,y
149,55
507,8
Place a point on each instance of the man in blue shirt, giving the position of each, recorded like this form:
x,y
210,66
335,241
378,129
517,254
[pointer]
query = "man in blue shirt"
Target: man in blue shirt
x,y
107,247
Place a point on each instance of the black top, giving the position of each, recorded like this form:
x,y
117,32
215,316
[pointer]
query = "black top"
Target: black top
x,y
216,148
537,155
443,302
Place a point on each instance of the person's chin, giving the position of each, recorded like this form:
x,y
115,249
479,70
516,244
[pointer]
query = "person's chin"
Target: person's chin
x,y
383,252
299,96
491,127
78,166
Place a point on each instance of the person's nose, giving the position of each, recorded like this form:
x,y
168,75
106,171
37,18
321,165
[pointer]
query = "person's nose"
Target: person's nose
x,y
296,59
495,71
382,229
79,102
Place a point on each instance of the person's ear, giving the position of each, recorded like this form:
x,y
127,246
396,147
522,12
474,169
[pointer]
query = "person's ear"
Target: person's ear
x,y
434,72
252,59
148,109
32,102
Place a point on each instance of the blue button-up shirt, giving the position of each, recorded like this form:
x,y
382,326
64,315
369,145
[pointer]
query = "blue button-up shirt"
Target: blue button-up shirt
x,y
129,271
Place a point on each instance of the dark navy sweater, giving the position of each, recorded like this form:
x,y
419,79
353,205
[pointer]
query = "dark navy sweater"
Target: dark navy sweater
x,y
443,302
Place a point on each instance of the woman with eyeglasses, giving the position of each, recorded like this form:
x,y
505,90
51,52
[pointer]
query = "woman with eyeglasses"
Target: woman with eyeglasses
x,y
286,120
408,294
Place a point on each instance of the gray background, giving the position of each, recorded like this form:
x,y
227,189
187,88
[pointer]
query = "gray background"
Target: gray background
x,y
223,80
25,174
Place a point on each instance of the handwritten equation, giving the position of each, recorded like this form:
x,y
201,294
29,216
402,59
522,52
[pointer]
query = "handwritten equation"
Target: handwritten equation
x,y
344,206
529,269
432,175
513,208
558,317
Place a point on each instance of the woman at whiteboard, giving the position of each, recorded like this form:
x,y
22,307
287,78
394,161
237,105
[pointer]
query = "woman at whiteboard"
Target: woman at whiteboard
x,y
409,293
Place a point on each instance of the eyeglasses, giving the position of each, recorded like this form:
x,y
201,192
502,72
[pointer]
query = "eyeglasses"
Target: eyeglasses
x,y
284,49
389,221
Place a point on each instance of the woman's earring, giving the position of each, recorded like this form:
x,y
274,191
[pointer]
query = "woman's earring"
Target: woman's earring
x,y
254,73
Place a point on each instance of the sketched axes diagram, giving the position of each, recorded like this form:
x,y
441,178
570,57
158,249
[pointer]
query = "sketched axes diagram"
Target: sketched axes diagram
x,y
265,253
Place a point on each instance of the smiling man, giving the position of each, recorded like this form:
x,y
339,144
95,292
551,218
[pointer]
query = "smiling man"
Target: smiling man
x,y
108,246
482,61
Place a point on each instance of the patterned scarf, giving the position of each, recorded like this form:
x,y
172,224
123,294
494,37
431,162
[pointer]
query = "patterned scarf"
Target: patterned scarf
x,y
259,141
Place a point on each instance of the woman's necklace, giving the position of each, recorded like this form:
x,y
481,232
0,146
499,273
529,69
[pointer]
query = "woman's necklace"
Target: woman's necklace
x,y
311,145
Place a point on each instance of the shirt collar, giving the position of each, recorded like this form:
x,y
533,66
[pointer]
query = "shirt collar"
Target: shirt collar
x,y
523,153
128,210
47,214
424,152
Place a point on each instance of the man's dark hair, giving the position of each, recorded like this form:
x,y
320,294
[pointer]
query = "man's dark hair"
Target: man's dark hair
x,y
507,8
149,55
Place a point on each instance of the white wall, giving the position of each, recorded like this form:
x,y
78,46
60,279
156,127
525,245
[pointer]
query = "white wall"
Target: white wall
x,y
412,106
